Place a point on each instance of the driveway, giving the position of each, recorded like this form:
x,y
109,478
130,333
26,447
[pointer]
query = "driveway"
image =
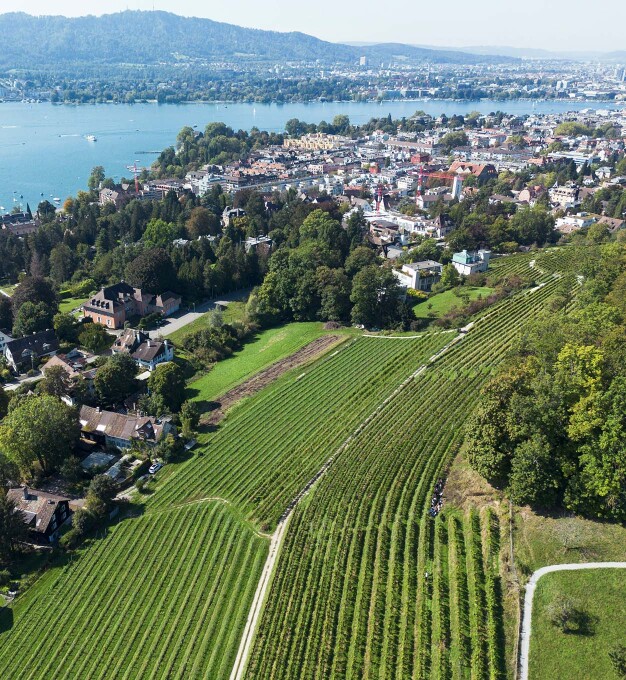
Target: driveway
x,y
180,320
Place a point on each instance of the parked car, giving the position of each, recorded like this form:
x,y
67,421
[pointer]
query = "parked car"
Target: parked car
x,y
155,467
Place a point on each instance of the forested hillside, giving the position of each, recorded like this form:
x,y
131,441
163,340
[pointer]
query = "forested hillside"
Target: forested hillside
x,y
152,37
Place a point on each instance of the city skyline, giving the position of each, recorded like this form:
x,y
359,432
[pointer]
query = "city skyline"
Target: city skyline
x,y
557,26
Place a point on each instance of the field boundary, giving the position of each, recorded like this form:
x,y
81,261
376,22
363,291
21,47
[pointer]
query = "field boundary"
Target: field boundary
x,y
531,586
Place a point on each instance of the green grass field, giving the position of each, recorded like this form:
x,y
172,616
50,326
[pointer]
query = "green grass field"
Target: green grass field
x,y
266,348
442,303
601,594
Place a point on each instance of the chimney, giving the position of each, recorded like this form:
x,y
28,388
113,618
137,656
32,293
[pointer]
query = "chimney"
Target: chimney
x,y
25,493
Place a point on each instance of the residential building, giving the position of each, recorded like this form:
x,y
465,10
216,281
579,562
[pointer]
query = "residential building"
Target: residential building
x,y
482,171
471,262
116,429
419,275
566,197
4,339
44,513
146,352
151,353
19,224
24,353
113,305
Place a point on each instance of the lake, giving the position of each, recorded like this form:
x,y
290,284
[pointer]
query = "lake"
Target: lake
x,y
44,152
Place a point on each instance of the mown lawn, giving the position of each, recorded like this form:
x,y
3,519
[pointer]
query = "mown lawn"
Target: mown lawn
x,y
266,348
601,594
68,304
442,303
8,288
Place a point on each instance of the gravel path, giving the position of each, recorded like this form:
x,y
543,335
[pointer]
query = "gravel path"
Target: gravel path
x,y
528,603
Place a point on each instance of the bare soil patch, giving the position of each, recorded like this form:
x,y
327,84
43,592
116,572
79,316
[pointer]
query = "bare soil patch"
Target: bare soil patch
x,y
257,382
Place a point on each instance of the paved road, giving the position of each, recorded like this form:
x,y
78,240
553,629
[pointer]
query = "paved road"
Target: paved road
x,y
528,603
175,323
29,379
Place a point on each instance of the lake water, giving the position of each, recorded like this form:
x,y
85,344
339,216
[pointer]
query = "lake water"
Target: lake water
x,y
44,153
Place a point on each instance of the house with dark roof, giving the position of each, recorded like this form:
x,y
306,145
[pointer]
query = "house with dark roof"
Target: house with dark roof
x,y
23,353
43,513
151,353
114,305
148,353
120,430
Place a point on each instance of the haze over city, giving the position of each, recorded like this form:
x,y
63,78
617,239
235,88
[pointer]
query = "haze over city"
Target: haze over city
x,y
567,25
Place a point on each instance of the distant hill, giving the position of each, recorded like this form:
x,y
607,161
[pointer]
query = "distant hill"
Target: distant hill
x,y
153,37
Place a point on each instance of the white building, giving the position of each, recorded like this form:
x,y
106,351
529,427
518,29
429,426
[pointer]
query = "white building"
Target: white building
x,y
419,275
469,262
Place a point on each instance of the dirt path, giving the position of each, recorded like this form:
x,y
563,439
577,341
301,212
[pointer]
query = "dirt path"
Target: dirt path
x,y
528,603
260,380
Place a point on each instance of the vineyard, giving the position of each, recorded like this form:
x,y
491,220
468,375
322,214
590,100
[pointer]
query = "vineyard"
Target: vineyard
x,y
350,597
272,444
125,608
367,584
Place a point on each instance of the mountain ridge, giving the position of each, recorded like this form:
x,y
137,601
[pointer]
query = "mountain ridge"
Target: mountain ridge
x,y
149,37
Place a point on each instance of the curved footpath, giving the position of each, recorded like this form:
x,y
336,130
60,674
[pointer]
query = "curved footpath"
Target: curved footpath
x,y
528,603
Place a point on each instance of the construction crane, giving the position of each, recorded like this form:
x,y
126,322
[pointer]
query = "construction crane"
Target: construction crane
x,y
135,171
449,176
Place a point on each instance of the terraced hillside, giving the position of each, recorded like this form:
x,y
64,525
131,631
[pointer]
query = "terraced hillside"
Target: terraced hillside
x,y
350,597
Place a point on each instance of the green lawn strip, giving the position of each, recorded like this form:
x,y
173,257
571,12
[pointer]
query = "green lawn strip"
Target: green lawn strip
x,y
442,303
266,348
601,594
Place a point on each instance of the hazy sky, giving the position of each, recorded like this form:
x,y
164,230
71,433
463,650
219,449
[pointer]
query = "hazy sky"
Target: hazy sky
x,y
550,24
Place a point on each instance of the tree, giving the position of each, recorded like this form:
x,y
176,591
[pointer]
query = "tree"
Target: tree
x,y
202,222
360,257
115,380
334,292
167,388
534,479
159,234
189,417
566,614
152,271
376,297
13,528
100,496
453,139
96,177
6,313
94,337
35,289
40,429
31,318
449,277
62,263
56,382
618,660
4,402
66,327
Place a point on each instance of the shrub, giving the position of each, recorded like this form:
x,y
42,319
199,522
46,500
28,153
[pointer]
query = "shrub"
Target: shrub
x,y
72,539
5,577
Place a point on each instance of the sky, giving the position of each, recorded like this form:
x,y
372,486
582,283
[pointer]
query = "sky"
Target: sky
x,y
548,24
